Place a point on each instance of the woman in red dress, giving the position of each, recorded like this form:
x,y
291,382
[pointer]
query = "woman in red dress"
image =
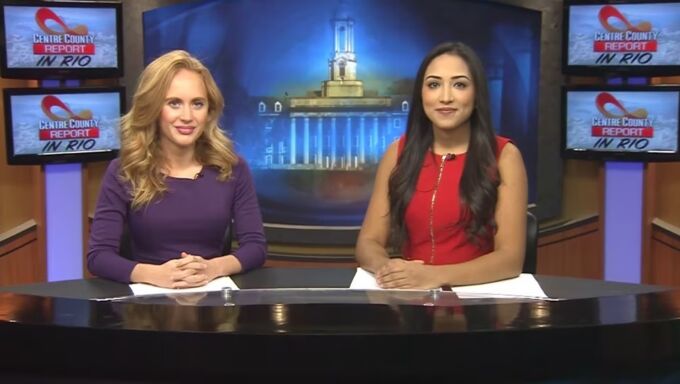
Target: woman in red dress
x,y
450,194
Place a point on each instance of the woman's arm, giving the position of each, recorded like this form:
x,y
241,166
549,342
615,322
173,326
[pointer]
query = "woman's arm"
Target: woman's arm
x,y
505,261
248,227
371,252
103,255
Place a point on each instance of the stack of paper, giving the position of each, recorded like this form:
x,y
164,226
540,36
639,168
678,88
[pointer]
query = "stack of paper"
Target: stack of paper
x,y
218,284
523,286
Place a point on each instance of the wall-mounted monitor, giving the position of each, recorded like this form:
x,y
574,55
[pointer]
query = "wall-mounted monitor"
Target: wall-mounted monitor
x,y
621,37
62,125
621,123
45,39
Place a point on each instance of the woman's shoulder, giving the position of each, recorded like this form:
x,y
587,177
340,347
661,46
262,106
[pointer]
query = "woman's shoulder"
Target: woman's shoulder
x,y
241,165
237,169
502,141
115,163
113,169
113,178
508,152
400,143
393,151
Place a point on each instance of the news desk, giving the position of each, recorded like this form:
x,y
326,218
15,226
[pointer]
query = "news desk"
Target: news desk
x,y
303,323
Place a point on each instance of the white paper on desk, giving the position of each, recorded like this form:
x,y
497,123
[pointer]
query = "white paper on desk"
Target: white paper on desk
x,y
522,286
364,280
139,289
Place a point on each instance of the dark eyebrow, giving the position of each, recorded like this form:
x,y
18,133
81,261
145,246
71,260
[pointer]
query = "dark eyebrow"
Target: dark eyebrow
x,y
454,77
173,98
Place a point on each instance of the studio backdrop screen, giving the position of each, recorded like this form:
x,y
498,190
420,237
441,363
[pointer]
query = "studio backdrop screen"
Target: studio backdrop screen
x,y
60,39
62,125
317,90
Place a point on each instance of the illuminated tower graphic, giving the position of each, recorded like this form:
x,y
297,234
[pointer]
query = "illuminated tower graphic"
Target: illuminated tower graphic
x,y
342,68
342,126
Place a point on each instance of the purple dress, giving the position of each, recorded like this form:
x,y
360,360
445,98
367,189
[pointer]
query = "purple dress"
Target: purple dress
x,y
191,216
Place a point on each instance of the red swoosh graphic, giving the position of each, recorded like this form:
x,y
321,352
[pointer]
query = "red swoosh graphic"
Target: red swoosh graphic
x,y
50,101
44,14
610,11
605,98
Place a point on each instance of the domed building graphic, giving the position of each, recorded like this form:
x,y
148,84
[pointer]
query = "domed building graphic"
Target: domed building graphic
x,y
341,126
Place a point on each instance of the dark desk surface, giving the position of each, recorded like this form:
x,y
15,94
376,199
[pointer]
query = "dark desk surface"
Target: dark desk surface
x,y
603,330
553,286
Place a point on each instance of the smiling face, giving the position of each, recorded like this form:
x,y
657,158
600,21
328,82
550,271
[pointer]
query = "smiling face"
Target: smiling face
x,y
448,93
184,113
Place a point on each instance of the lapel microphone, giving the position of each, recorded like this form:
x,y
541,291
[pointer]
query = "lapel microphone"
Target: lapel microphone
x,y
450,156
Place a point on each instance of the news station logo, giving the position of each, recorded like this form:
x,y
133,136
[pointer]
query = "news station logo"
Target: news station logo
x,y
637,41
77,130
618,126
64,46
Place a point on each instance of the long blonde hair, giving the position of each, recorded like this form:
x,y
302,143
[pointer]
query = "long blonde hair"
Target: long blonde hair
x,y
141,158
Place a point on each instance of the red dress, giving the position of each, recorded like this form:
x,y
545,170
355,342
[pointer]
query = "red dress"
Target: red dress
x,y
436,233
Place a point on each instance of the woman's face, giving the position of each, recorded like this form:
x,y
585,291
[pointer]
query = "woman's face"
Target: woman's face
x,y
185,111
448,92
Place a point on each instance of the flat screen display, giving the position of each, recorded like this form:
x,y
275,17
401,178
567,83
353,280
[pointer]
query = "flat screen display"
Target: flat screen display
x,y
60,39
632,37
622,123
62,125
316,91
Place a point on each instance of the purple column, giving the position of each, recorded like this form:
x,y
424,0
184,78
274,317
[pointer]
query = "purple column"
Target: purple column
x,y
623,221
64,221
623,215
63,215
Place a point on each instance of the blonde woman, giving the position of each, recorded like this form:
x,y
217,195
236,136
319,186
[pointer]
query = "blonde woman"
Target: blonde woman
x,y
177,185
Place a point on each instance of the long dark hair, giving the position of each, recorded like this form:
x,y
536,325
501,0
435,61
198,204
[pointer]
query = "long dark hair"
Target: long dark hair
x,y
479,182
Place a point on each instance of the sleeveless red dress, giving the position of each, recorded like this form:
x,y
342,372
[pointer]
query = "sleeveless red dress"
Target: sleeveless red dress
x,y
436,232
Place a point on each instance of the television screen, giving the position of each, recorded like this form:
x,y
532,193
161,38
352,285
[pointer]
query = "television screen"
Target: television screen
x,y
621,123
62,125
628,37
42,39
